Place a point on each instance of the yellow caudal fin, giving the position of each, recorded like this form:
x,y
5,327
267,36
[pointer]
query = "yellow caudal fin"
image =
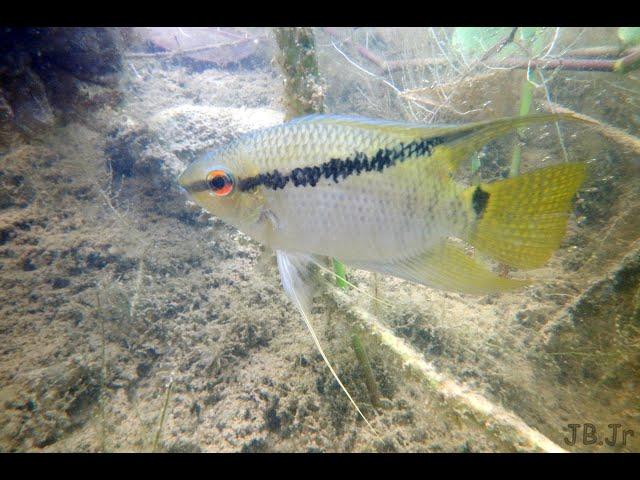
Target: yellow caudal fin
x,y
522,220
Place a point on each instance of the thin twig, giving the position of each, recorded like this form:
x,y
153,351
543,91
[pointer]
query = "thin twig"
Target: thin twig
x,y
365,52
575,64
628,63
364,70
500,45
506,425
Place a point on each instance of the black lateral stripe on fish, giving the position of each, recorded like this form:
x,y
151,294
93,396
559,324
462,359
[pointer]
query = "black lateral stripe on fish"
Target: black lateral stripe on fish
x,y
339,169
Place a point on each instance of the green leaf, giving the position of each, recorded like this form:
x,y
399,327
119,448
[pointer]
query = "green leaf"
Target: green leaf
x,y
475,41
338,269
536,39
629,35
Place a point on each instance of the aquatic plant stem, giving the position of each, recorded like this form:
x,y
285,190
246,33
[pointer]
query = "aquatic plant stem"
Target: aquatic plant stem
x,y
162,416
526,96
303,89
369,379
341,277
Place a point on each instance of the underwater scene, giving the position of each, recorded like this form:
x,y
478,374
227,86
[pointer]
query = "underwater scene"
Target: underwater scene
x,y
296,239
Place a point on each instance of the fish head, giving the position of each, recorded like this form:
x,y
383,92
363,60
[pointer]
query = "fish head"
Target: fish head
x,y
212,182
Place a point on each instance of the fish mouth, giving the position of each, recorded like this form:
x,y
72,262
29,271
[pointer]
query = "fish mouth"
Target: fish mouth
x,y
183,184
182,179
191,179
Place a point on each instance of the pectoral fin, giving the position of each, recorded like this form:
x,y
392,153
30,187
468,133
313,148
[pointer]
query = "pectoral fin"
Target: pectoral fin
x,y
296,272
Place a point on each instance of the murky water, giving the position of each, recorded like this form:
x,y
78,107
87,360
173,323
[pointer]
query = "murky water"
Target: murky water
x,y
131,320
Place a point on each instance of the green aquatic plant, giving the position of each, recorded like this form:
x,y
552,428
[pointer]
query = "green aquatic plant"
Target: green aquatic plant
x,y
369,379
163,413
526,97
303,89
629,36
341,276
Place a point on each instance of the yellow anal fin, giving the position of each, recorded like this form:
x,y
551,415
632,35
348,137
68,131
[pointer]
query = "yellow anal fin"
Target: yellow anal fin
x,y
447,267
522,220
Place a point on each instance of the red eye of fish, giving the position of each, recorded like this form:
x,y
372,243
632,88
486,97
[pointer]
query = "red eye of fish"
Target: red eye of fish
x,y
220,182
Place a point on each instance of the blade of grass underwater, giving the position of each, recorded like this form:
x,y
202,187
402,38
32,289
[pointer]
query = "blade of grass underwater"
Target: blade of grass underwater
x,y
156,439
358,347
341,276
526,96
369,379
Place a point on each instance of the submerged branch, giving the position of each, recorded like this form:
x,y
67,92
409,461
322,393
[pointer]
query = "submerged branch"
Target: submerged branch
x,y
578,60
623,65
189,51
502,423
303,89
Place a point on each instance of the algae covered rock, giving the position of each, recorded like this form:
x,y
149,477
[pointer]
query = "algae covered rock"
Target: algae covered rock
x,y
48,74
187,130
175,136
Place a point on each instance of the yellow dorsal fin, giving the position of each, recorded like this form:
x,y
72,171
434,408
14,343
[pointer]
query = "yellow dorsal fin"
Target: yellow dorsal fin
x,y
459,141
479,134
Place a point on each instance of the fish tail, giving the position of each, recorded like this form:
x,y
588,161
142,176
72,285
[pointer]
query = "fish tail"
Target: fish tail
x,y
521,221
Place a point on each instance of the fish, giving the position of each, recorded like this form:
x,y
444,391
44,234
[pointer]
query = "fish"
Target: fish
x,y
381,196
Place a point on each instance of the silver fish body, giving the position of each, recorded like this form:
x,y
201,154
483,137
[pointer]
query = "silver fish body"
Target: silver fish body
x,y
380,196
370,213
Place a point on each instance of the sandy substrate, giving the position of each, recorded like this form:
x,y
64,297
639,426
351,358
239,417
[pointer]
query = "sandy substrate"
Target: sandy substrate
x,y
121,305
